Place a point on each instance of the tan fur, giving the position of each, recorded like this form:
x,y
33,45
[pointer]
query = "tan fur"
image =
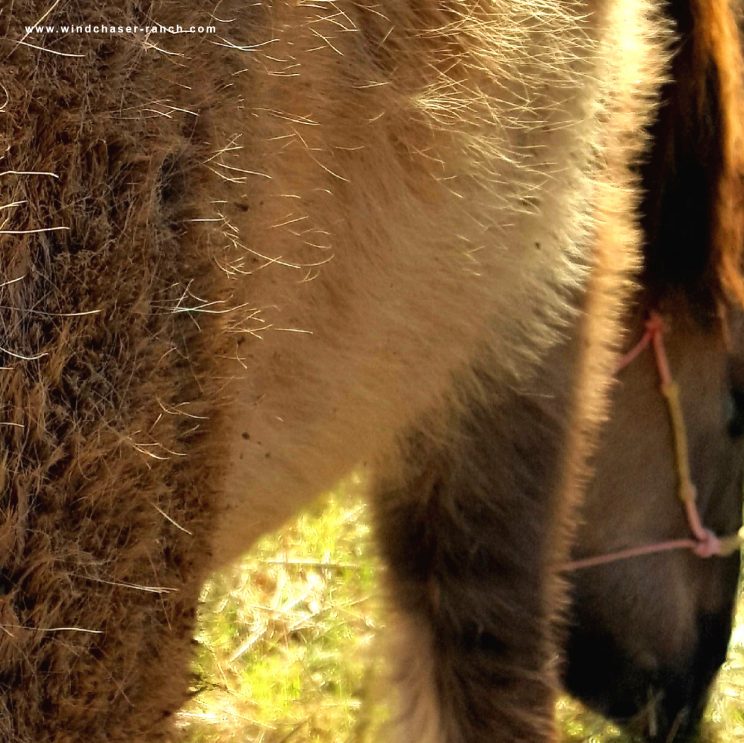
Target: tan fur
x,y
481,173
614,259
416,715
294,237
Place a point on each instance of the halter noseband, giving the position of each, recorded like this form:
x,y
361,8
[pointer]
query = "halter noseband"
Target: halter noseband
x,y
703,542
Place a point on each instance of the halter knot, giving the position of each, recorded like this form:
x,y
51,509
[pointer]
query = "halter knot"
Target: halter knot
x,y
655,323
708,546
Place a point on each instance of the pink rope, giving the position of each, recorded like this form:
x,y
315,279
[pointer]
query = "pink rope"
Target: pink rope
x,y
705,543
655,326
637,350
626,554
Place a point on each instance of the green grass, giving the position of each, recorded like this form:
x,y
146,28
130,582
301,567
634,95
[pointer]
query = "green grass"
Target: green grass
x,y
287,638
288,645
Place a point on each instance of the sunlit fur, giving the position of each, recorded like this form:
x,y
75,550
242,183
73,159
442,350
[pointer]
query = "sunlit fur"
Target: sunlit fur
x,y
236,266
465,527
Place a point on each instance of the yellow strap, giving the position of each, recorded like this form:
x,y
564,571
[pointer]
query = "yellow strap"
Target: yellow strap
x,y
686,490
731,543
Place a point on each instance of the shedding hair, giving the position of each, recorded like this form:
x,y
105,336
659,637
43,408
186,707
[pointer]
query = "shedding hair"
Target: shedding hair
x,y
110,374
237,265
483,507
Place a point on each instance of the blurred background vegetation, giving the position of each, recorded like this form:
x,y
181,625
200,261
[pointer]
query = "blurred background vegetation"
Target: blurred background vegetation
x,y
290,650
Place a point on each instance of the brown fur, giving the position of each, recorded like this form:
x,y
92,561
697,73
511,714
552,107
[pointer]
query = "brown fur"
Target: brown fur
x,y
97,419
721,42
298,239
484,510
693,215
693,211
464,526
660,623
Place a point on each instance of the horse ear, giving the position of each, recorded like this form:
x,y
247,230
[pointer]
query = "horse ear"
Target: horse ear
x,y
693,210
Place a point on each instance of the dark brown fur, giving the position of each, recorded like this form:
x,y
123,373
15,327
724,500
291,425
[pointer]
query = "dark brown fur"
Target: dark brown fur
x,y
461,531
467,549
661,624
234,267
98,590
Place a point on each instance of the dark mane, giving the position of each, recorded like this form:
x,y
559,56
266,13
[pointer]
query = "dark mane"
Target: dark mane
x,y
693,208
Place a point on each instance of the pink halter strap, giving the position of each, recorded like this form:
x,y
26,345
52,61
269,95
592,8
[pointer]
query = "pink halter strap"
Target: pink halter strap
x,y
703,542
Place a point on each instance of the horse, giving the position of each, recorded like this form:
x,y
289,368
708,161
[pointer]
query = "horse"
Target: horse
x,y
250,245
648,626
661,622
